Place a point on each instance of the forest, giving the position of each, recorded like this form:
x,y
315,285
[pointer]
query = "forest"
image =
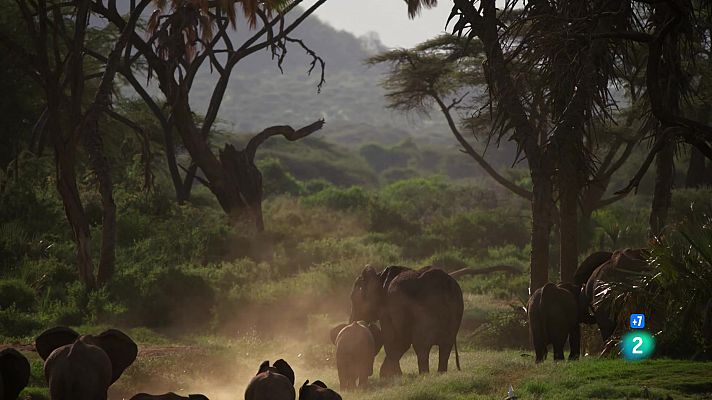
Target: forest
x,y
218,197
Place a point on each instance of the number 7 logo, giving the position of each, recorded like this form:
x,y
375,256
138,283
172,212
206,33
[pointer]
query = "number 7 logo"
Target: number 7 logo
x,y
637,321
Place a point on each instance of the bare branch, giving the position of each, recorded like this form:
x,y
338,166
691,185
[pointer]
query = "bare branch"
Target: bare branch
x,y
468,149
287,131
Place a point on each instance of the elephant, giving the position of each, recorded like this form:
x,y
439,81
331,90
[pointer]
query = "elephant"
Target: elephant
x,y
272,383
420,308
357,344
553,318
83,367
168,396
317,391
14,373
594,306
707,323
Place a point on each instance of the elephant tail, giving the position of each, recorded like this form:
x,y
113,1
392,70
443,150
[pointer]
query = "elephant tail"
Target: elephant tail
x,y
457,357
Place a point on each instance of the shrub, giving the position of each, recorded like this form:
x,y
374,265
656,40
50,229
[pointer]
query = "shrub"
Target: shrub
x,y
16,293
504,329
49,277
277,180
168,296
15,323
353,198
480,229
676,288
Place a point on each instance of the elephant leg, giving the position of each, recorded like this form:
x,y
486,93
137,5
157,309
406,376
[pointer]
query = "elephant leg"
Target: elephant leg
x,y
343,379
575,343
363,381
391,364
444,356
559,349
540,350
422,351
605,324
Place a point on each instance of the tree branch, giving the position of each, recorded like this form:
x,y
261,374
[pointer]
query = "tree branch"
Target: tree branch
x,y
519,191
287,131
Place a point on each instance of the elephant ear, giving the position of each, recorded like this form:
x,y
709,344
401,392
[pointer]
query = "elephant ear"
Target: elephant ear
x,y
54,338
377,337
334,333
319,383
263,367
122,351
14,373
390,273
283,368
305,386
587,266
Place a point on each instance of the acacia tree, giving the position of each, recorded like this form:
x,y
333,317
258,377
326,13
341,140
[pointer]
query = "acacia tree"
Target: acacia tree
x,y
182,38
527,100
57,34
572,45
448,66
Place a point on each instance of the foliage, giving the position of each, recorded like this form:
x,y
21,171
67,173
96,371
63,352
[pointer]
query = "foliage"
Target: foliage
x,y
675,290
354,198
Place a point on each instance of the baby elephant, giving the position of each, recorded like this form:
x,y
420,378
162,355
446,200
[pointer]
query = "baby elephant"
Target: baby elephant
x,y
83,367
553,317
357,344
317,391
168,396
272,383
14,374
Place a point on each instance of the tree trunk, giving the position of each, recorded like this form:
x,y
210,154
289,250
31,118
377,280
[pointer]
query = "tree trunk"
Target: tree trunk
x,y
65,160
662,194
245,176
696,170
568,228
93,144
541,204
670,82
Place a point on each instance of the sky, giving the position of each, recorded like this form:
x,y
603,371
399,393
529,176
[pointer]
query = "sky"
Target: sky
x,y
388,18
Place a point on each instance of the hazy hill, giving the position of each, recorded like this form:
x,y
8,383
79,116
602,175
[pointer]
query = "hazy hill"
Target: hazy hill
x,y
351,100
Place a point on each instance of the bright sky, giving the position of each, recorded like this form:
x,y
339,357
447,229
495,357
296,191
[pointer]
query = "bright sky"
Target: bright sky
x,y
388,18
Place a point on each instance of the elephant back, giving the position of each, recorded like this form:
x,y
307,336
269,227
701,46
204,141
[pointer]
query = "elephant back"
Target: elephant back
x,y
14,373
269,385
427,281
589,265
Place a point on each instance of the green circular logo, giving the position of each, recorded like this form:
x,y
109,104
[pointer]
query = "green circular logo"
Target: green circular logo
x,y
637,345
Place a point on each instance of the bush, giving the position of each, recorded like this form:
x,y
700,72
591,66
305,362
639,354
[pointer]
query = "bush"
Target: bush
x,y
352,199
15,323
480,229
16,293
504,329
676,288
159,297
277,180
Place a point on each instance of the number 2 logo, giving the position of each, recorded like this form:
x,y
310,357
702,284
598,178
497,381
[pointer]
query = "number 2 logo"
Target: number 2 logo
x,y
636,348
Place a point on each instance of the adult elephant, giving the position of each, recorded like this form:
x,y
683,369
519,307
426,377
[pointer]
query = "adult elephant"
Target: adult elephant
x,y
83,367
553,319
597,281
14,373
420,308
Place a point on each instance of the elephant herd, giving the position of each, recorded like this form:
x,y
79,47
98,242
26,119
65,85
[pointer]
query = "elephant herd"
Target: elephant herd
x,y
419,308
555,312
395,309
83,367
